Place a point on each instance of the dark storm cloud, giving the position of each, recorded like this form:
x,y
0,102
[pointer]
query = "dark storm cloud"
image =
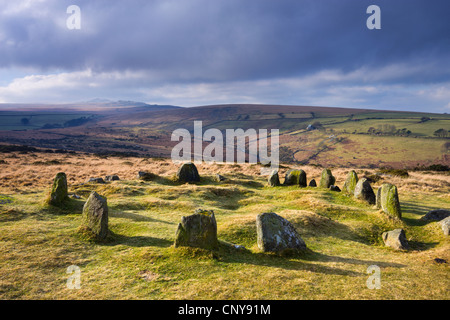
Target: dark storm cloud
x,y
191,52
212,40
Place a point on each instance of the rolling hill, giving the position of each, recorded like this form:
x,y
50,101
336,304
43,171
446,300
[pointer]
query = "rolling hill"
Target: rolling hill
x,y
341,137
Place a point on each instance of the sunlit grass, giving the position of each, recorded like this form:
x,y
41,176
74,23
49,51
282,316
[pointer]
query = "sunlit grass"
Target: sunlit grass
x,y
138,261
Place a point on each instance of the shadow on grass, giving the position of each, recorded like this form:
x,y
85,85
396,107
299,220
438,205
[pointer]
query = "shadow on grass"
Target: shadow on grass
x,y
322,225
417,211
69,206
136,217
115,239
421,246
317,256
10,214
297,262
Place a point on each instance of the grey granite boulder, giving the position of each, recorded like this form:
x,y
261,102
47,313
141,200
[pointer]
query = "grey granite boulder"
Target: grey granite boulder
x,y
335,188
112,178
436,215
276,234
219,178
445,225
395,239
95,180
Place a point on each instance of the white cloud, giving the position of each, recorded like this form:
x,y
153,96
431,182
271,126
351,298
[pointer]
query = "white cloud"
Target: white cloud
x,y
325,88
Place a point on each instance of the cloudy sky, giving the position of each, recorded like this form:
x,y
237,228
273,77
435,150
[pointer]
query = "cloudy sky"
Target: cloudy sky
x,y
199,52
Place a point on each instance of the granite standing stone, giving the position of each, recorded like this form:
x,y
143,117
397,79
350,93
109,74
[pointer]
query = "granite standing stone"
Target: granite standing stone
x,y
327,179
364,191
59,193
274,179
188,173
276,234
388,201
295,177
350,182
198,230
95,215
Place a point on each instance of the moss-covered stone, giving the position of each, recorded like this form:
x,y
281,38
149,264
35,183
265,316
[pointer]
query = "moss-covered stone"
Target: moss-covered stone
x,y
364,191
388,200
188,173
326,179
274,179
295,177
95,216
58,194
276,234
198,230
350,182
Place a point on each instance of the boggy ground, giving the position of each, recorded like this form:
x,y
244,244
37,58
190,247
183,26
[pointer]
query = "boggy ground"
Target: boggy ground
x,y
38,243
